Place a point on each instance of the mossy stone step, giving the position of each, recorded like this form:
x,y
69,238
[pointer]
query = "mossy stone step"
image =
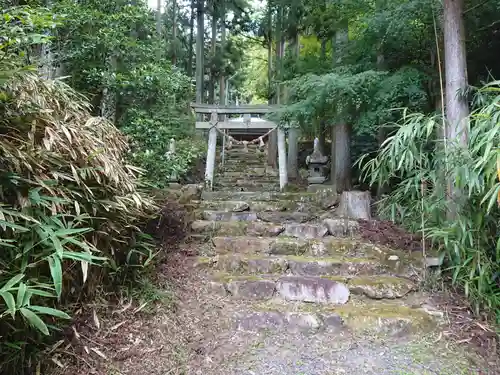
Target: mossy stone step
x,y
229,216
290,288
257,228
311,322
269,217
296,265
257,206
261,172
247,181
312,288
269,188
236,228
240,150
382,318
247,184
302,201
242,157
256,196
327,247
243,163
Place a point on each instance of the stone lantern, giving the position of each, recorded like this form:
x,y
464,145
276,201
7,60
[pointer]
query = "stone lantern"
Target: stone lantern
x,y
317,164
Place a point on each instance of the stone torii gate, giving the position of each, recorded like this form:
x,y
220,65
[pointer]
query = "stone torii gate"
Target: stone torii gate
x,y
219,123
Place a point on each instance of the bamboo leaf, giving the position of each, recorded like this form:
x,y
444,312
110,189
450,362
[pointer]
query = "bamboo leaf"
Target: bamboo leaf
x,y
10,302
49,311
13,281
21,291
34,320
69,232
56,273
5,224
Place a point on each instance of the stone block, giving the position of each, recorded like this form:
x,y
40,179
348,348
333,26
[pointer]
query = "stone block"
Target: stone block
x,y
312,289
251,289
305,231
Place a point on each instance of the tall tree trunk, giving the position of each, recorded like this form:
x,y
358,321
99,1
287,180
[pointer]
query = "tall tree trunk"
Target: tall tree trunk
x,y
273,139
222,78
269,55
279,52
46,68
457,109
383,188
158,25
174,32
200,31
46,64
158,17
108,100
322,122
296,46
341,133
381,131
213,68
189,68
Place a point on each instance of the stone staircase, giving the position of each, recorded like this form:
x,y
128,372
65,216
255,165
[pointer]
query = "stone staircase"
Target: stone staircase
x,y
292,267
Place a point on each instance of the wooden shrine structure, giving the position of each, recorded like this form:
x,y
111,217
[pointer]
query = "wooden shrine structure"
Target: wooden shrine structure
x,y
216,119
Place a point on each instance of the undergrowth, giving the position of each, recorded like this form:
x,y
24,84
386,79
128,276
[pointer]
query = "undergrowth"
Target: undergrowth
x,y
68,203
420,166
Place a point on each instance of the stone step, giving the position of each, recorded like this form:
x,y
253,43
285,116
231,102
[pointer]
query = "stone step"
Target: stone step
x,y
383,318
270,188
251,148
326,247
247,181
256,196
256,321
258,228
261,172
297,265
264,185
270,217
242,156
298,201
228,216
231,167
289,288
317,289
258,206
236,228
242,159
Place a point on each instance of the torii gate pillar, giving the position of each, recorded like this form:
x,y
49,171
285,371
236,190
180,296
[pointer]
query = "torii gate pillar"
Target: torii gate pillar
x,y
212,144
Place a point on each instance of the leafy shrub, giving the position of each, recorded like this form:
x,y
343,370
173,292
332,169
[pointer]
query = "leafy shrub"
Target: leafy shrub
x,y
157,101
414,159
67,202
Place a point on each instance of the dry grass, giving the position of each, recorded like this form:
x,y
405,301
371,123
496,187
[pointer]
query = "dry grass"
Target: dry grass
x,y
139,338
68,200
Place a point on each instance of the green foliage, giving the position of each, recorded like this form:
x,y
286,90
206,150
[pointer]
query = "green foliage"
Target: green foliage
x,y
155,101
67,203
152,98
21,29
151,138
470,239
98,31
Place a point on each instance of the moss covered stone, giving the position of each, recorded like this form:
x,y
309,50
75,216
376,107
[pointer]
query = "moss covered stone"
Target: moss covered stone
x,y
236,228
373,318
378,287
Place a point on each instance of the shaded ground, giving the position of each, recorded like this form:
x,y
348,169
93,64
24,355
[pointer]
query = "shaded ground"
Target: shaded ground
x,y
389,234
187,334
